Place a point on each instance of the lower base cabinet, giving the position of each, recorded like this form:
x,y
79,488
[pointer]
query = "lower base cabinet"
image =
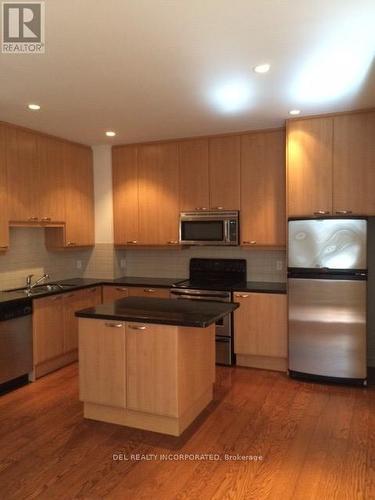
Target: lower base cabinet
x,y
138,291
260,330
111,293
55,328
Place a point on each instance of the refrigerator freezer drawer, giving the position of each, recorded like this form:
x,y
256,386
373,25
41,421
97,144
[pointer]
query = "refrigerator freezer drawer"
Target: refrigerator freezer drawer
x,y
327,327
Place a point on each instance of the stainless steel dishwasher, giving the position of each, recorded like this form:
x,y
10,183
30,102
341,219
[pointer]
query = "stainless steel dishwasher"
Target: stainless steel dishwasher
x,y
16,342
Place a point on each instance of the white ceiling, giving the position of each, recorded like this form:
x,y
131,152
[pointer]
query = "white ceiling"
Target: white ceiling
x,y
152,69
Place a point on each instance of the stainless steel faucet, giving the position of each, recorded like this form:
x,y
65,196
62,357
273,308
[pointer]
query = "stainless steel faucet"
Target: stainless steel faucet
x,y
39,280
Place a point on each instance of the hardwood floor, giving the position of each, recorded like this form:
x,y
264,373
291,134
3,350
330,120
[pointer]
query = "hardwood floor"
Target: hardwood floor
x,y
317,442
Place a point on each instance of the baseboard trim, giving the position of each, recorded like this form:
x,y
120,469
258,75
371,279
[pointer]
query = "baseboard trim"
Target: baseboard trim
x,y
262,362
54,364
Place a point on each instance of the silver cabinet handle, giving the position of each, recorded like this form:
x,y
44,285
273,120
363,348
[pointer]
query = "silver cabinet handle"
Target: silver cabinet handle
x,y
114,325
120,289
149,290
343,212
201,208
321,212
218,208
241,295
132,242
33,218
252,242
71,244
134,327
46,219
172,242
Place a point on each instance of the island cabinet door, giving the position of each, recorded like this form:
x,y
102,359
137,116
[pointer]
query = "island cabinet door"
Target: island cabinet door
x,y
102,362
151,364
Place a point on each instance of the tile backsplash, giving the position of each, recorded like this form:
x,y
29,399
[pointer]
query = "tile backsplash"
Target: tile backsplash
x,y
262,265
27,254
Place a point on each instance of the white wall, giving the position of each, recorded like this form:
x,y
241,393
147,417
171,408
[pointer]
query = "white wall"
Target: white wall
x,y
103,194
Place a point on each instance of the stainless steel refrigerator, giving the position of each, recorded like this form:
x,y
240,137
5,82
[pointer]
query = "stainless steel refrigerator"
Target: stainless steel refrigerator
x,y
327,295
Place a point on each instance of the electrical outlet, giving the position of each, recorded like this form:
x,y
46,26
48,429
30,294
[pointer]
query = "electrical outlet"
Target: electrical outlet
x,y
79,264
122,263
279,265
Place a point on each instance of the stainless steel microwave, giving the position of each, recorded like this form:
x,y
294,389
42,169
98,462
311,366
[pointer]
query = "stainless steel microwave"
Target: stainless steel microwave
x,y
209,228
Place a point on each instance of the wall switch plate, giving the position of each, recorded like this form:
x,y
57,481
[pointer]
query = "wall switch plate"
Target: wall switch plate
x,y
122,263
279,265
79,264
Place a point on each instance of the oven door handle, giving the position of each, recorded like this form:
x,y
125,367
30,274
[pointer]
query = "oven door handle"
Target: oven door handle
x,y
226,231
182,295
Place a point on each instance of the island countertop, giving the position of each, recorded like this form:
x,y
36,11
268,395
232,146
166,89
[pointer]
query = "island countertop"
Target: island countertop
x,y
182,312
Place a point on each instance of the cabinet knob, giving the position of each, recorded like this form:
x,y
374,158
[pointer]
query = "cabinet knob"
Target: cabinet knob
x,y
46,219
322,212
114,325
343,212
136,327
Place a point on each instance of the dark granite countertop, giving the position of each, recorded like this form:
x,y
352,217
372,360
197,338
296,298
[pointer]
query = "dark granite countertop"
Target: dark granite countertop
x,y
199,314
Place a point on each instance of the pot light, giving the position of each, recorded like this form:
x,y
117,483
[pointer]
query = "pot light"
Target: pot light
x,y
34,107
232,96
110,133
262,68
294,112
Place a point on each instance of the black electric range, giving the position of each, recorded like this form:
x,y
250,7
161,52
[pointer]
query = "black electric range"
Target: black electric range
x,y
214,280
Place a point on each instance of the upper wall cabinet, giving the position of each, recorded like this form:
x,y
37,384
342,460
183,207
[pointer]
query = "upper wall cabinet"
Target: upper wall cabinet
x,y
125,195
4,230
354,164
309,163
331,165
158,189
224,169
194,176
263,189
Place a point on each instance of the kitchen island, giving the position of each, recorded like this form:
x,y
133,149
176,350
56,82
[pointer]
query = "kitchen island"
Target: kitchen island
x,y
148,363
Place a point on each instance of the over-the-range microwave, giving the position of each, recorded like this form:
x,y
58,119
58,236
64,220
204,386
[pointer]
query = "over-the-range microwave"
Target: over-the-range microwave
x,y
218,227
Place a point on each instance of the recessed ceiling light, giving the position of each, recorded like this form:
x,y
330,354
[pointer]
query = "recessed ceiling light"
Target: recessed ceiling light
x,y
262,68
294,112
34,107
110,133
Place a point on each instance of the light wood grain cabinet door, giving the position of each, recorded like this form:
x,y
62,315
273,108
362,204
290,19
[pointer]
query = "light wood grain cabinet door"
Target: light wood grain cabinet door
x,y
158,194
79,195
194,176
309,166
48,328
21,155
111,293
224,168
102,370
125,195
263,189
151,362
354,164
51,197
4,213
260,324
139,291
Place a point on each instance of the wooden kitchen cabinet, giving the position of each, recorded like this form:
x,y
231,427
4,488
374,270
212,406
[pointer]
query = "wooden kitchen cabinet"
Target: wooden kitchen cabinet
x,y
354,164
4,226
102,367
48,328
158,194
22,175
224,169
73,302
260,330
50,189
194,175
309,166
139,291
151,353
111,293
125,195
263,189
